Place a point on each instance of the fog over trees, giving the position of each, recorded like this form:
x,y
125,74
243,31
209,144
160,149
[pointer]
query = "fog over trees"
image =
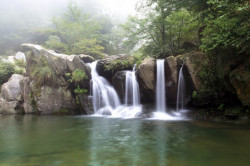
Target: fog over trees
x,y
23,20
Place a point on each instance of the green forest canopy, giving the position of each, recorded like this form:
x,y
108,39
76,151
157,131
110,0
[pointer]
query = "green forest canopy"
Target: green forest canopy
x,y
160,28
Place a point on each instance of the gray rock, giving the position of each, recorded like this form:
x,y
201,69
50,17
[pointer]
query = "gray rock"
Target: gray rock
x,y
10,107
11,90
11,98
20,56
109,66
59,63
53,100
86,58
146,78
118,81
86,105
27,95
240,79
171,76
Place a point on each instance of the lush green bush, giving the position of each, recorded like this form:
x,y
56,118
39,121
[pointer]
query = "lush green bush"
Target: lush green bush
x,y
42,73
78,76
6,70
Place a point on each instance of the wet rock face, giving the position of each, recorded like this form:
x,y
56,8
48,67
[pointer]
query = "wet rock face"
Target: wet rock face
x,y
146,76
109,66
240,79
86,105
171,75
11,98
119,83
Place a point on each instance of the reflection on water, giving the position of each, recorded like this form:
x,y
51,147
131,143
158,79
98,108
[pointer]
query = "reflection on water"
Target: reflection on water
x,y
98,141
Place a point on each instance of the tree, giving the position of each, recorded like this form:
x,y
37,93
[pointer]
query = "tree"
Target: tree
x,y
162,29
75,33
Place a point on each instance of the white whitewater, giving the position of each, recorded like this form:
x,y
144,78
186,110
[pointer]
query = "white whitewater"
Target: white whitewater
x,y
181,91
160,86
161,108
132,95
106,100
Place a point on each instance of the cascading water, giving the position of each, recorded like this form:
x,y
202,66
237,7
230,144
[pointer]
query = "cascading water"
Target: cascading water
x,y
181,91
105,99
161,109
160,86
132,95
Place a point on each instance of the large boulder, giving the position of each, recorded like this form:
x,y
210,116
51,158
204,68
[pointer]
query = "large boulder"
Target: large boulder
x,y
11,98
194,63
20,56
146,78
119,83
86,58
109,66
240,79
53,101
171,76
60,64
54,92
12,90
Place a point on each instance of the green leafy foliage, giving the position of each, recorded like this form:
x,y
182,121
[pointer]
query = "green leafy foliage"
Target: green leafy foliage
x,y
120,63
162,30
6,70
42,73
79,90
78,76
75,33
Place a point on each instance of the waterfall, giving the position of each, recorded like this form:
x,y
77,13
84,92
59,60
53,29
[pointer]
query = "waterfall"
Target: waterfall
x,y
161,109
181,90
132,95
160,86
105,98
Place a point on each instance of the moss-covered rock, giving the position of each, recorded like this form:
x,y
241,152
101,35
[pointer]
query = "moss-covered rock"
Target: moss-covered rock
x,y
52,80
109,66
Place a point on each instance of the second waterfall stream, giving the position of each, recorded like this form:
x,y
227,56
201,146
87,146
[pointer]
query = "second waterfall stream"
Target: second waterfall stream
x,y
105,98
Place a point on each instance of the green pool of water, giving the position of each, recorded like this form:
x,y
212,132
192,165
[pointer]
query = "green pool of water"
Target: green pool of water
x,y
96,141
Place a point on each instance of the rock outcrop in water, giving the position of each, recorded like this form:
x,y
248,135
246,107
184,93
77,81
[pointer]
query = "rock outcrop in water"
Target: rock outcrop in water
x,y
47,89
